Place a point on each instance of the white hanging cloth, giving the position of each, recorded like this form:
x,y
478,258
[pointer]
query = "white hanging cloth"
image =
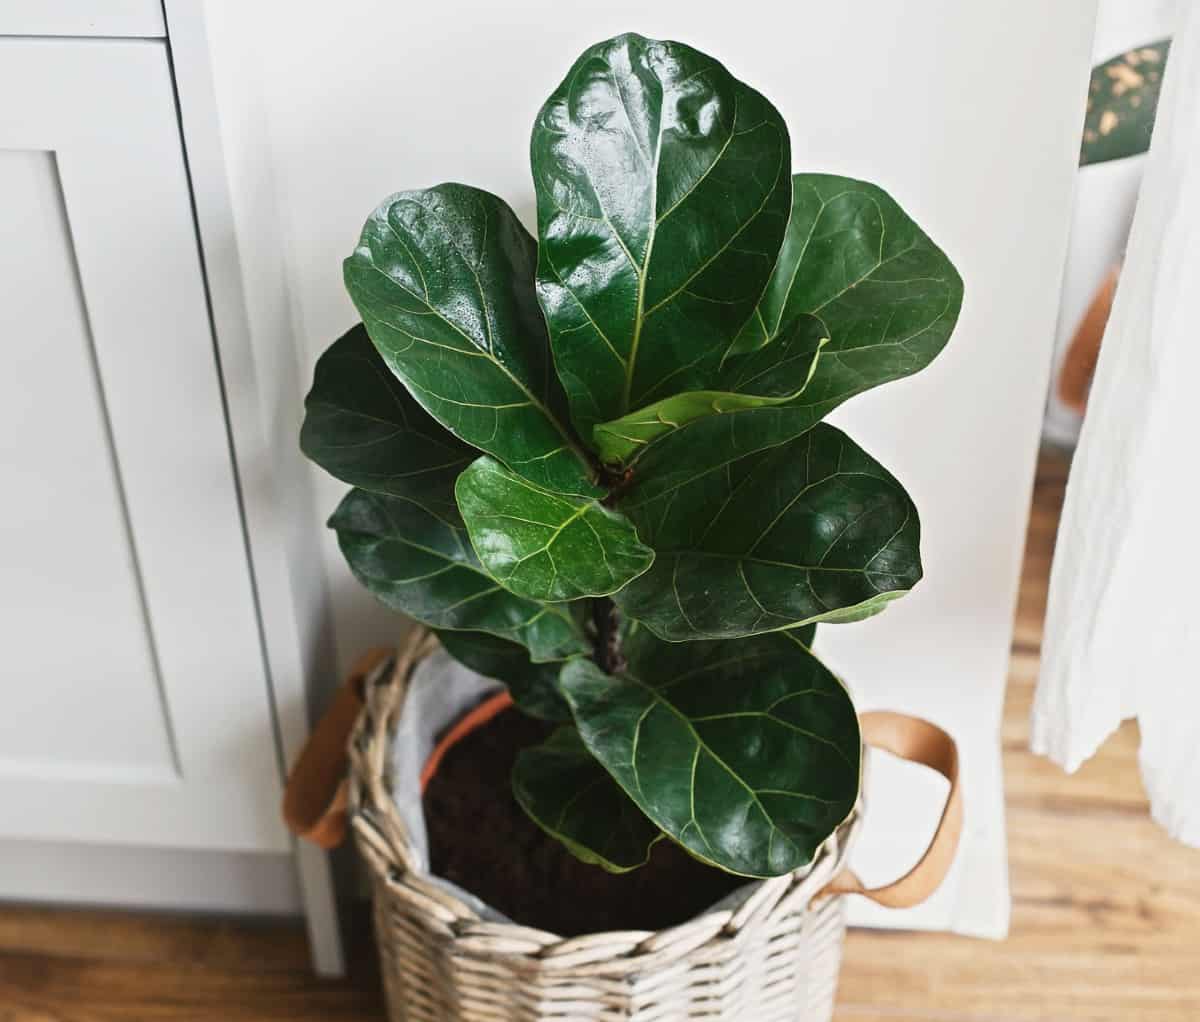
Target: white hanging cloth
x,y
1122,634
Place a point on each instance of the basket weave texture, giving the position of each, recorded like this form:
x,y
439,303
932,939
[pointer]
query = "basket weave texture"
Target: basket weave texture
x,y
775,957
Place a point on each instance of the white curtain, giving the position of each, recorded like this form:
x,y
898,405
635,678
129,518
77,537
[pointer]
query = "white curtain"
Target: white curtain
x,y
1123,626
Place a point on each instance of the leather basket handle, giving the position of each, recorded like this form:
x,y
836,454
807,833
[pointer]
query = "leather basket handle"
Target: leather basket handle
x,y
921,742
315,797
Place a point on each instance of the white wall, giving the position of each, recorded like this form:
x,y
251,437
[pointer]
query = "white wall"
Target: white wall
x,y
969,113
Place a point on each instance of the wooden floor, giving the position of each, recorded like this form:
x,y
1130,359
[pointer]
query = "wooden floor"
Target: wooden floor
x,y
1106,913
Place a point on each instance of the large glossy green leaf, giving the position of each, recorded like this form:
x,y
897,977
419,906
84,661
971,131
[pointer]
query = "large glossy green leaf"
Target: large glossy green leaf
x,y
543,545
364,428
662,196
746,753
888,296
812,529
443,279
573,798
422,564
804,635
772,375
1122,103
532,686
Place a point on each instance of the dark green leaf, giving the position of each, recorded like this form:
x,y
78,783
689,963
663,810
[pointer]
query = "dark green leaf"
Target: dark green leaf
x,y
662,192
813,529
571,797
888,296
364,428
805,635
542,545
531,685
745,753
1122,102
422,564
773,375
443,279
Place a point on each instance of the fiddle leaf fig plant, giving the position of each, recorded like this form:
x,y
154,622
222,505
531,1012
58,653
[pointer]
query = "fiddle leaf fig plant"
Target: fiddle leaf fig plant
x,y
594,461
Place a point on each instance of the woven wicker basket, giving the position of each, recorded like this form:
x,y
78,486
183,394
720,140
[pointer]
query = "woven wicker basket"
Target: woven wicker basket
x,y
775,957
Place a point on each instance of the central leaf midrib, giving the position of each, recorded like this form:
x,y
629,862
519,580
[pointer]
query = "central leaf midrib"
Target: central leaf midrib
x,y
702,744
655,498
639,315
772,563
534,400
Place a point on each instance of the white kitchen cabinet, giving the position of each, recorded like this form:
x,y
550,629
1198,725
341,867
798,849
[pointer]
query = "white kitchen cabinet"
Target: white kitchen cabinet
x,y
143,714
148,708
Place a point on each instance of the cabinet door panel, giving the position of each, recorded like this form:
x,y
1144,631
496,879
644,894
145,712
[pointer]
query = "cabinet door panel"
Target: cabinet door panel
x,y
136,704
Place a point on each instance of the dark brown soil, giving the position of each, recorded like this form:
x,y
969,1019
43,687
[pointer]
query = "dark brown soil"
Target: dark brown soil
x,y
482,840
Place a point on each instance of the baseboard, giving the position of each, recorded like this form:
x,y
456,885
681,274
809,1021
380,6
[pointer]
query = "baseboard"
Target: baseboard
x,y
154,878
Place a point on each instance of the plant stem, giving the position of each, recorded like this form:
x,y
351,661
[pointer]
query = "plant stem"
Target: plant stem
x,y
608,655
617,484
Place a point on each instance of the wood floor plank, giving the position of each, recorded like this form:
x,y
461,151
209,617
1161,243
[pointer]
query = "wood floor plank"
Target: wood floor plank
x,y
153,938
59,965
34,988
1106,912
937,977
